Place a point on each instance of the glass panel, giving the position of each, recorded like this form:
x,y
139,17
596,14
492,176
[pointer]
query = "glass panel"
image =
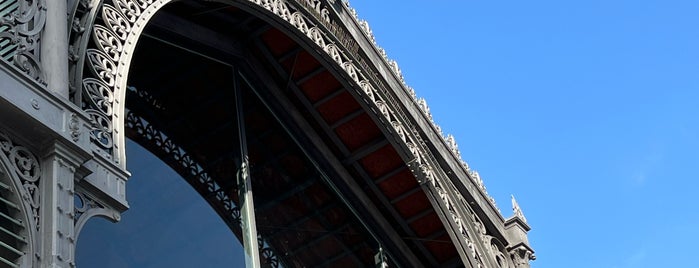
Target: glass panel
x,y
167,225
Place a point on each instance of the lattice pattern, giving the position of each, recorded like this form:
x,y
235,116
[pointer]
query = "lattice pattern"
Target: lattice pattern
x,y
21,23
19,196
178,159
108,59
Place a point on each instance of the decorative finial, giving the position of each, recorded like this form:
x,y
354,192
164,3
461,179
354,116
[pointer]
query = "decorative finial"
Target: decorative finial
x,y
451,142
517,210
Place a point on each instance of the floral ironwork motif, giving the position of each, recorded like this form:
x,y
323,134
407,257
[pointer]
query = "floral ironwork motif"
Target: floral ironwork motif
x,y
421,103
83,203
119,20
176,157
74,126
21,24
27,168
114,39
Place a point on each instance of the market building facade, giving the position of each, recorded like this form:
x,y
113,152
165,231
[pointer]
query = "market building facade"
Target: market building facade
x,y
283,115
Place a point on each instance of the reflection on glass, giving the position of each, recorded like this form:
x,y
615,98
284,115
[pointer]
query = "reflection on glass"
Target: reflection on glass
x,y
167,225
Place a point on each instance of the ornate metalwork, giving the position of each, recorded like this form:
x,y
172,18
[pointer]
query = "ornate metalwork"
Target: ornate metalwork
x,y
74,126
176,157
422,104
103,86
267,255
188,168
81,18
517,211
27,168
498,253
444,188
521,256
111,53
85,207
82,204
19,236
21,24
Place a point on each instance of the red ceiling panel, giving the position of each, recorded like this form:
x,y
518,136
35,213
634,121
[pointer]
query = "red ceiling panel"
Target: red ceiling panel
x,y
398,184
358,132
413,204
381,161
338,107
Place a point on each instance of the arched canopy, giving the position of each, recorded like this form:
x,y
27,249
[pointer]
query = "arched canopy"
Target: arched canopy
x,y
307,74
325,110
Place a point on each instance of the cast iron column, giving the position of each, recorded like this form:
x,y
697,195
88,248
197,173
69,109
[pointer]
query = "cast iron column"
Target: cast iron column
x,y
57,218
54,47
247,206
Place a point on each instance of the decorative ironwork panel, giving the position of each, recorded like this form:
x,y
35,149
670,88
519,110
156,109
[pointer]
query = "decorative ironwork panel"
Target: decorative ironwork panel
x,y
19,202
176,157
102,53
21,23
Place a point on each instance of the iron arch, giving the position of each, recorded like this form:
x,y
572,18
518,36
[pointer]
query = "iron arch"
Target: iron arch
x,y
107,33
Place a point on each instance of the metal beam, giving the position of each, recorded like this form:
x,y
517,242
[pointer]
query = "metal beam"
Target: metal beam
x,y
346,119
291,192
404,195
390,174
247,204
392,210
322,237
394,240
330,96
297,222
365,150
289,54
310,75
273,159
340,256
328,129
419,215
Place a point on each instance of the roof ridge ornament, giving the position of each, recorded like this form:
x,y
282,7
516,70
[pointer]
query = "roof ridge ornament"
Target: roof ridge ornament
x,y
517,210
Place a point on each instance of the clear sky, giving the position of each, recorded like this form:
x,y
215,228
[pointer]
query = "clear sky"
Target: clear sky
x,y
587,111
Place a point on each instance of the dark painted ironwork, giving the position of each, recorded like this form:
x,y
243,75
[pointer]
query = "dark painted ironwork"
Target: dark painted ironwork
x,y
177,158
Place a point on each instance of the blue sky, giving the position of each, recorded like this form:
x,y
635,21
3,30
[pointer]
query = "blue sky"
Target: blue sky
x,y
587,111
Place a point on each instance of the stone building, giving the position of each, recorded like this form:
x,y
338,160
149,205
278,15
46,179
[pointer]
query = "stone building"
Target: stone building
x,y
290,100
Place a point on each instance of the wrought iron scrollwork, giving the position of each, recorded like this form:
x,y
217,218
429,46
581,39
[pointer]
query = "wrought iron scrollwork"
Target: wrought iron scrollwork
x,y
84,203
100,129
177,158
119,21
422,104
21,24
122,21
267,256
27,168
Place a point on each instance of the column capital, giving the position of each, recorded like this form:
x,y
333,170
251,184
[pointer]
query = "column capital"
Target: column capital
x,y
66,154
521,255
